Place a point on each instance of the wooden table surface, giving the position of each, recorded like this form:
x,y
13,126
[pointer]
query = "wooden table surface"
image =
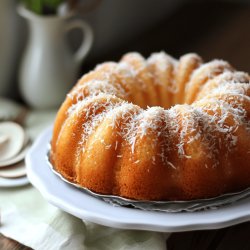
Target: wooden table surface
x,y
213,29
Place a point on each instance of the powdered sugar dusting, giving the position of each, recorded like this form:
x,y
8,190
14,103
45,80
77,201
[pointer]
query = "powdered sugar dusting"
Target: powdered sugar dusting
x,y
162,60
141,124
126,70
205,72
95,87
213,121
221,119
164,63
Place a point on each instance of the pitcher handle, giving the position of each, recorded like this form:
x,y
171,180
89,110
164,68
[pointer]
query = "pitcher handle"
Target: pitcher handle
x,y
87,40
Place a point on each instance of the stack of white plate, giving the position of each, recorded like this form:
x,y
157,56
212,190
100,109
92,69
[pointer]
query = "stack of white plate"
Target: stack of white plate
x,y
14,144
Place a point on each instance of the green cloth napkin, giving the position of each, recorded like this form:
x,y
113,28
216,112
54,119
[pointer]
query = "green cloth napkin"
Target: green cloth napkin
x,y
29,219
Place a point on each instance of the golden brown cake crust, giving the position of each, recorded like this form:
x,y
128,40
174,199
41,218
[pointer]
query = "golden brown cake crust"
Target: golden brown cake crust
x,y
156,129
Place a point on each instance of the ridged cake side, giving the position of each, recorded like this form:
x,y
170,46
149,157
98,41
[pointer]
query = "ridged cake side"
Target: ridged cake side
x,y
113,135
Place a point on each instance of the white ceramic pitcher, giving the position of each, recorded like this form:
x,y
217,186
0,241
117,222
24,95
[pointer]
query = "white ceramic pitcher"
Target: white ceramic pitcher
x,y
49,68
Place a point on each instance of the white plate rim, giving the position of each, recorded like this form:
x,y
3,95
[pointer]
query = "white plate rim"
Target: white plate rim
x,y
91,209
13,182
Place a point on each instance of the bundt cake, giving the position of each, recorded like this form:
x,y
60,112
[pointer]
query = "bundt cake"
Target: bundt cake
x,y
156,129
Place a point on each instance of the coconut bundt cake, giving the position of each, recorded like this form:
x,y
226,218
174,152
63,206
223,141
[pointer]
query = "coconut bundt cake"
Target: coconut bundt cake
x,y
156,129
